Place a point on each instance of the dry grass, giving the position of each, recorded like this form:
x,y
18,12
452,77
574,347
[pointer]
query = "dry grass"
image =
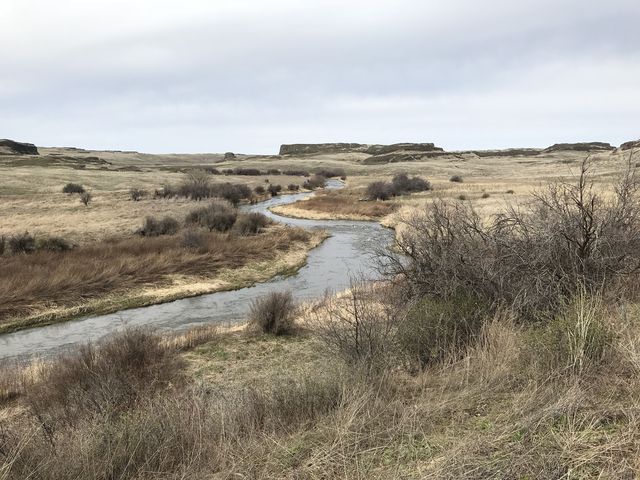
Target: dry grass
x,y
280,407
45,280
349,204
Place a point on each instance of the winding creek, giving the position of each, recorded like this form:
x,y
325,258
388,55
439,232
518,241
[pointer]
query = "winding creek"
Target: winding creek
x,y
329,267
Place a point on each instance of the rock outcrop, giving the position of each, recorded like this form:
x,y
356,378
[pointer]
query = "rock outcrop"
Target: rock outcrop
x,y
580,147
408,147
311,148
315,148
508,152
10,147
630,145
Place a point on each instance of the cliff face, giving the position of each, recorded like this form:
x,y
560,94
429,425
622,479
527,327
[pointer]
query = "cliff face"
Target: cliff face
x,y
312,148
630,145
580,147
10,147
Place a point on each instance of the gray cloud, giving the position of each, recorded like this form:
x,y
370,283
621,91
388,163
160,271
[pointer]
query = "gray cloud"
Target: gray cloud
x,y
248,75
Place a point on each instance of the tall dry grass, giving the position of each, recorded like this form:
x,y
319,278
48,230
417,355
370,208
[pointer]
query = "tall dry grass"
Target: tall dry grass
x,y
28,282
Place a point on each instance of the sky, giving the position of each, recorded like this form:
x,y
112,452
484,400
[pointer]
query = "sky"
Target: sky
x,y
192,76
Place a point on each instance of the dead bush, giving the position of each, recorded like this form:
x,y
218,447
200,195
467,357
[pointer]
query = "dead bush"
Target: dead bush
x,y
218,215
380,191
273,313
137,194
251,223
73,188
401,184
153,227
315,181
85,198
456,179
361,326
526,257
274,190
100,379
22,243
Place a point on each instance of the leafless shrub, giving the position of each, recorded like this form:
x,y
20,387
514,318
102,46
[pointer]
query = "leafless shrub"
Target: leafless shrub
x,y
380,191
274,190
274,313
530,257
22,243
153,227
251,223
218,215
100,379
85,198
456,179
73,188
136,193
361,326
315,181
196,185
259,190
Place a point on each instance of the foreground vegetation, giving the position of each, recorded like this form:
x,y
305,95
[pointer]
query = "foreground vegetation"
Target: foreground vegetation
x,y
481,356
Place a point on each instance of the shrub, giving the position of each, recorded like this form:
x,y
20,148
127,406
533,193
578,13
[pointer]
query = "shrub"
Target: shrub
x,y
292,187
332,173
401,183
136,193
166,191
3,244
196,185
246,171
85,198
23,243
53,244
361,326
274,190
218,215
232,192
316,181
527,257
73,188
251,223
259,190
212,171
463,197
273,313
380,190
153,227
103,379
456,179
510,192
194,240
296,173
436,329
485,195
273,171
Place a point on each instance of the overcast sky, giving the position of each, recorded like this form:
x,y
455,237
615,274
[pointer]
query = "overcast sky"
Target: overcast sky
x,y
248,75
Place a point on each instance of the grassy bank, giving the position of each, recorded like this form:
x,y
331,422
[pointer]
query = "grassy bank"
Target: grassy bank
x,y
227,404
48,287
